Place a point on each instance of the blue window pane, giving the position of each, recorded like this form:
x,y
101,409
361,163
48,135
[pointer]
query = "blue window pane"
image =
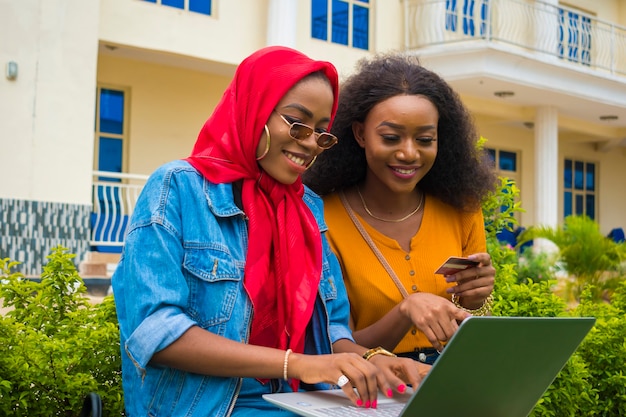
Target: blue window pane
x,y
579,175
590,208
468,17
567,174
111,111
179,4
590,182
319,16
567,204
110,155
200,6
586,40
360,30
451,15
150,1
561,32
484,10
580,208
340,22
109,196
508,161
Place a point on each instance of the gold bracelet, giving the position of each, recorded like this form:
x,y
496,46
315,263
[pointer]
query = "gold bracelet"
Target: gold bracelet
x,y
286,364
483,310
377,351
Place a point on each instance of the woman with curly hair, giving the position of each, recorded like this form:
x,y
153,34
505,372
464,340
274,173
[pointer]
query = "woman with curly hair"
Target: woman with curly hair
x,y
402,192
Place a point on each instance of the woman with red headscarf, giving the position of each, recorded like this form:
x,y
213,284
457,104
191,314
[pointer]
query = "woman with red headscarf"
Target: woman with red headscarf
x,y
226,289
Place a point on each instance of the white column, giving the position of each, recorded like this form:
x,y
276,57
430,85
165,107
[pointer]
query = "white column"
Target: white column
x,y
546,167
282,18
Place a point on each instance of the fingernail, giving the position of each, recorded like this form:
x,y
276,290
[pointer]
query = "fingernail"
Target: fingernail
x,y
450,290
401,388
389,393
374,404
367,404
359,402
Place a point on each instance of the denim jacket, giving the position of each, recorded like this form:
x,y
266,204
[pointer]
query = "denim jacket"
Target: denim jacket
x,y
183,265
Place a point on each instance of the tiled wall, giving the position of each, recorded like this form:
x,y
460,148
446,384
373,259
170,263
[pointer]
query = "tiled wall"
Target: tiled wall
x,y
30,229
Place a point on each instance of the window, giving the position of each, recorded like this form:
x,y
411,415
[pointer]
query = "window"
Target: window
x,y
197,6
107,222
110,129
579,188
574,36
347,22
506,164
471,13
109,144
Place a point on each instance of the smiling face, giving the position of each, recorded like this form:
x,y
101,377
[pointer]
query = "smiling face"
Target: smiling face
x,y
399,136
309,102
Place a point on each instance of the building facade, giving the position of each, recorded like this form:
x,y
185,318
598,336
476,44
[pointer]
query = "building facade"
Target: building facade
x,y
99,92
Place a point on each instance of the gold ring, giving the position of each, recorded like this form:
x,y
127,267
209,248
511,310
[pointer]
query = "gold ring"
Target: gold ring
x,y
343,380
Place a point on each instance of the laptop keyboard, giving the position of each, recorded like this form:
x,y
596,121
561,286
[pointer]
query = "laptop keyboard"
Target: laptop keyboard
x,y
383,410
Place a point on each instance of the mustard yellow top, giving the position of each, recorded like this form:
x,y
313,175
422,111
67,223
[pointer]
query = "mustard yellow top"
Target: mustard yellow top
x,y
444,232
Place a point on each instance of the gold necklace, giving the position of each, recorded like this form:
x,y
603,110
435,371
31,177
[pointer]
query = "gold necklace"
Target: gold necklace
x,y
419,206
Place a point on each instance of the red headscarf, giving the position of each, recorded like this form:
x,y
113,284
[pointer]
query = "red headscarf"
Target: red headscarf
x,y
284,260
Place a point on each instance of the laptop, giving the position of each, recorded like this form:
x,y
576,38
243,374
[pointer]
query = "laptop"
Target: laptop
x,y
491,367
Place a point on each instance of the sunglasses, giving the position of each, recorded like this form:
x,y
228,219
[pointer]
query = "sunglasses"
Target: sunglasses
x,y
300,131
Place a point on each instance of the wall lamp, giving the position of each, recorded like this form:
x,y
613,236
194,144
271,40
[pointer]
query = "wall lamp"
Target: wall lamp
x,y
11,70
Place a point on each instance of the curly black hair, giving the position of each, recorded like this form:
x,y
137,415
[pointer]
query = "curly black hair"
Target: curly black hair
x,y
462,174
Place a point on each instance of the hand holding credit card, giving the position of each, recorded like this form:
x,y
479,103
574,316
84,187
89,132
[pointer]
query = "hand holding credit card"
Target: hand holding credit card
x,y
455,264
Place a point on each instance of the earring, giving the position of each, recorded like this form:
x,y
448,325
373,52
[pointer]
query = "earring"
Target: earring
x,y
267,143
312,162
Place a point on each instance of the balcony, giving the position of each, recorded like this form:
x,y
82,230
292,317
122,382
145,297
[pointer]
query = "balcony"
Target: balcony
x,y
114,199
535,27
548,55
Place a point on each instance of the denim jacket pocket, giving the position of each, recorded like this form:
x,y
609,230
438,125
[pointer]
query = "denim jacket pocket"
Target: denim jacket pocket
x,y
215,283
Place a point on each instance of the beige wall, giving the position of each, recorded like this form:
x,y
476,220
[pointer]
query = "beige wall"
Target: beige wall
x,y
607,10
168,107
46,129
236,29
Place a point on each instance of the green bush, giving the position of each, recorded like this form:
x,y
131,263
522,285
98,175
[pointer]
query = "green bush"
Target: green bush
x,y
536,266
56,346
591,258
593,381
604,349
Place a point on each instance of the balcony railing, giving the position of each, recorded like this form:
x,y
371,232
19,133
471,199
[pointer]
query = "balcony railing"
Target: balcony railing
x,y
525,26
114,198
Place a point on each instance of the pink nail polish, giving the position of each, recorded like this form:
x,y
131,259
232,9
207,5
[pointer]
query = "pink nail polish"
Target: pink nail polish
x,y
401,388
389,393
374,404
359,402
367,404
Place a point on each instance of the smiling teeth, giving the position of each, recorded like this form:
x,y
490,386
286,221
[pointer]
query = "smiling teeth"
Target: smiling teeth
x,y
404,171
299,161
